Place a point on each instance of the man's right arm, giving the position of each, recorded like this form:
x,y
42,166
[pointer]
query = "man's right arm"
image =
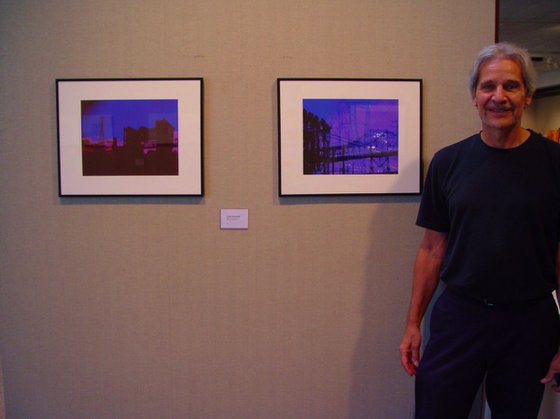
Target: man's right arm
x,y
425,280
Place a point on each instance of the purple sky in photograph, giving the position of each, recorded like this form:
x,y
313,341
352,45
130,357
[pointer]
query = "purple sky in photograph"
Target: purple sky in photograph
x,y
119,114
350,119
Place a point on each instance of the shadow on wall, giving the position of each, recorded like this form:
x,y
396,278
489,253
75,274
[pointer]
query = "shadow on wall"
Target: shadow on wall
x,y
380,387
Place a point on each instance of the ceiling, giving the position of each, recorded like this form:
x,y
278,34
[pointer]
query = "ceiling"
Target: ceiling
x,y
534,25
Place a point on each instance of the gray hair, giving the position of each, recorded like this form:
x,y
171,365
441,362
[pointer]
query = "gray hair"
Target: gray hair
x,y
508,51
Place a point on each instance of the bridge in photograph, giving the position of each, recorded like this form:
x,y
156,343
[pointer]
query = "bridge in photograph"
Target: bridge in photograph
x,y
345,153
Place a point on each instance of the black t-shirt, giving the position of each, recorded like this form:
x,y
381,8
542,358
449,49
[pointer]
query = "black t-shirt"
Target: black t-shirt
x,y
501,211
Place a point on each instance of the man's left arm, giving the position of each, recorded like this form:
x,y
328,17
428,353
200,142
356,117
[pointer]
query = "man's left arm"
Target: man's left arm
x,y
554,368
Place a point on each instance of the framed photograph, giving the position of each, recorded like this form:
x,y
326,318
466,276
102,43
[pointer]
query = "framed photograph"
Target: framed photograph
x,y
129,137
349,136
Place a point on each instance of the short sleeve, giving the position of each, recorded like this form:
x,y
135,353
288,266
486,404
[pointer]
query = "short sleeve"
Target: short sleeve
x,y
434,212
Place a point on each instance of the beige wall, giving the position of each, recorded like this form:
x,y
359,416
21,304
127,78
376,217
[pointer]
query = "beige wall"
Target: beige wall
x,y
2,410
143,307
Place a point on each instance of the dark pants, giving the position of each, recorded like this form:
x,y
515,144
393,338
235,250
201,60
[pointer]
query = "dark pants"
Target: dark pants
x,y
509,347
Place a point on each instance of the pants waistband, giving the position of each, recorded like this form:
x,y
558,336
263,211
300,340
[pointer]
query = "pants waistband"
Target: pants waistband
x,y
489,302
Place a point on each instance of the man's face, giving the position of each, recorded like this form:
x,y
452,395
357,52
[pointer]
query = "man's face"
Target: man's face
x,y
500,95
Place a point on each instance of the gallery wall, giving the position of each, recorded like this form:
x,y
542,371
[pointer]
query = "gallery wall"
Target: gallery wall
x,y
131,307
544,114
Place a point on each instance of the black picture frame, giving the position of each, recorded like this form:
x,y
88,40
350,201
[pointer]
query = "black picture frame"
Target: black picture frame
x,y
349,136
130,137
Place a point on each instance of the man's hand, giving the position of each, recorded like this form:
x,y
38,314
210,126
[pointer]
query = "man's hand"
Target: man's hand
x,y
410,349
424,283
553,370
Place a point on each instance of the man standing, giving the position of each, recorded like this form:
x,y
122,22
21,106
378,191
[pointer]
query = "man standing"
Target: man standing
x,y
491,213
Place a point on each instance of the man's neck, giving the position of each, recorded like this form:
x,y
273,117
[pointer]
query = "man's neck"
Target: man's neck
x,y
506,138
